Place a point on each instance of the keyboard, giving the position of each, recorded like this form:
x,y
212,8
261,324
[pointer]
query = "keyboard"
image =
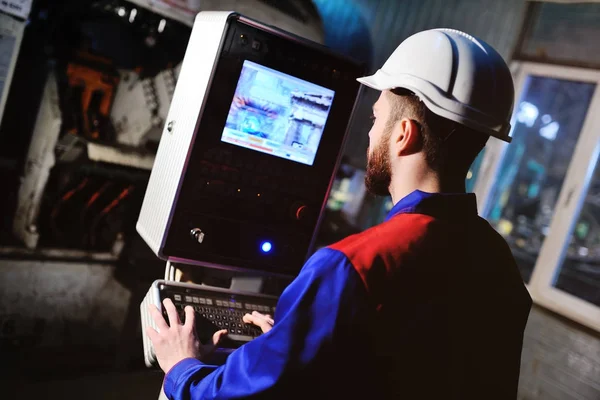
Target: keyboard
x,y
215,309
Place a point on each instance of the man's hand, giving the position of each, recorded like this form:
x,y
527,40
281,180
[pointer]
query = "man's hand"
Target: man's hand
x,y
264,321
178,341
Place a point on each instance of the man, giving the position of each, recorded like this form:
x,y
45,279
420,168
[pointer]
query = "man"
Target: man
x,y
427,305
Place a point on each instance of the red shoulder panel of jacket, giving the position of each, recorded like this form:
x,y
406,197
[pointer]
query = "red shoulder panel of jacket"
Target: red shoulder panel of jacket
x,y
378,251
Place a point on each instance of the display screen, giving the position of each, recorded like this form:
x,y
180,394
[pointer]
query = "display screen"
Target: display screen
x,y
277,114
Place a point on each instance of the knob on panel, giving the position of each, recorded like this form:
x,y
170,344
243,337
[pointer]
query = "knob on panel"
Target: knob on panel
x,y
299,211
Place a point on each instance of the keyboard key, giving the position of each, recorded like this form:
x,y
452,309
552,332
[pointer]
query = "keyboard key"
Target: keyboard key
x,y
219,302
209,302
188,299
177,297
195,299
202,300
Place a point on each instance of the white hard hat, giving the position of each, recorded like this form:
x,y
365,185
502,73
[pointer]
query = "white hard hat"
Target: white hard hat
x,y
457,76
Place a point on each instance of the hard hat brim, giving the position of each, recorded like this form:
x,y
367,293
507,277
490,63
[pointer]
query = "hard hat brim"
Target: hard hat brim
x,y
373,82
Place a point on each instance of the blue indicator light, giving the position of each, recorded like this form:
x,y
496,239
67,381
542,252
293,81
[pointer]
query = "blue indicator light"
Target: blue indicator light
x,y
266,247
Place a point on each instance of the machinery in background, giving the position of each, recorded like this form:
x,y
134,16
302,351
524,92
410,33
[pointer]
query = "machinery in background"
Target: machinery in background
x,y
11,35
97,130
89,96
69,200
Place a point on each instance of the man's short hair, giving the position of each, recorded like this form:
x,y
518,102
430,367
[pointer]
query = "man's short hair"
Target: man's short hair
x,y
450,148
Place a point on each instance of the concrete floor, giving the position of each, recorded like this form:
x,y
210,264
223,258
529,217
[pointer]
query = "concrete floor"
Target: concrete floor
x,y
143,385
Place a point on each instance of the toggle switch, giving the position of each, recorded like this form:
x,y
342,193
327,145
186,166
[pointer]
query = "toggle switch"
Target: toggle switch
x,y
197,234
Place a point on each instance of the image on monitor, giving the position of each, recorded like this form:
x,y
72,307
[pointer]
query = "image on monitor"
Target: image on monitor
x,y
277,114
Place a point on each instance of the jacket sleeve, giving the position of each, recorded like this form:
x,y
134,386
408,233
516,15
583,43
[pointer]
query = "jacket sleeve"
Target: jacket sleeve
x,y
309,314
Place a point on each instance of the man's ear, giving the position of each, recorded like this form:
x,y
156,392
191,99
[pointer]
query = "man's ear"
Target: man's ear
x,y
406,137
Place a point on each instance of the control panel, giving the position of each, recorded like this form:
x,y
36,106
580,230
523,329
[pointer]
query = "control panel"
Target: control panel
x,y
266,143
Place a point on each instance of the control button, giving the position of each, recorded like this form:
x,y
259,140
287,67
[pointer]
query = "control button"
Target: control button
x,y
209,302
243,39
256,45
197,235
202,300
266,247
188,299
195,299
177,297
219,302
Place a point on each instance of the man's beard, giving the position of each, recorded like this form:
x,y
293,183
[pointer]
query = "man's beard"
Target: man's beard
x,y
379,171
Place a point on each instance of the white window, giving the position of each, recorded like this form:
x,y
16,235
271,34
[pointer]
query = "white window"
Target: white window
x,y
542,191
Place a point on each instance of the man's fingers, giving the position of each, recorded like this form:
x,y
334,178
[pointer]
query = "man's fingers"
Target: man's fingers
x,y
152,334
158,318
250,319
257,320
189,317
218,335
209,348
171,312
269,319
265,317
247,318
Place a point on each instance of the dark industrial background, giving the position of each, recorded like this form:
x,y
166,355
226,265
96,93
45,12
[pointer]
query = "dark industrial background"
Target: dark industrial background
x,y
69,323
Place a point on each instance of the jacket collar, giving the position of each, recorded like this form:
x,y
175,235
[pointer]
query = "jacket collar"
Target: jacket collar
x,y
438,205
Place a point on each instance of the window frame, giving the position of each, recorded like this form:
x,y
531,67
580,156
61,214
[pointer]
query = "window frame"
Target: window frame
x,y
570,199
